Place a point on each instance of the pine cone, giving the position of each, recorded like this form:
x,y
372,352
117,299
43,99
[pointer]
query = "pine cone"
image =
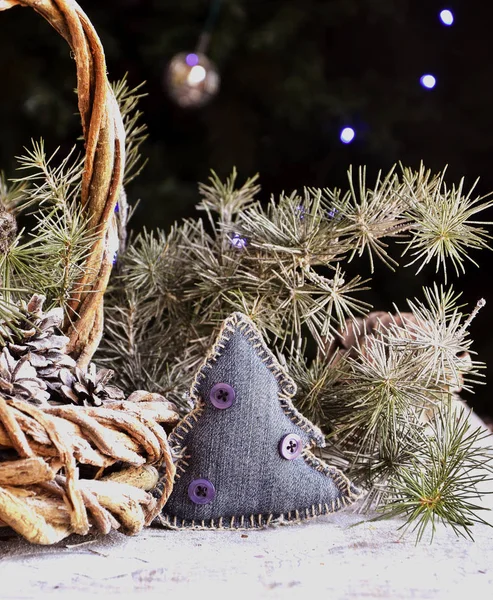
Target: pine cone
x,y
39,338
18,379
86,388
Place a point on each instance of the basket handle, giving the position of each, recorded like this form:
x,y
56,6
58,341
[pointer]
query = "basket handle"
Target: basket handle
x,y
104,163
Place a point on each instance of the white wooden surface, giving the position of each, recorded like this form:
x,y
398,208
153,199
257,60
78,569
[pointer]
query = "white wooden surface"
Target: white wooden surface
x,y
324,557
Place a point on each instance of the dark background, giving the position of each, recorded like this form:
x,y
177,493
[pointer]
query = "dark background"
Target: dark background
x,y
293,73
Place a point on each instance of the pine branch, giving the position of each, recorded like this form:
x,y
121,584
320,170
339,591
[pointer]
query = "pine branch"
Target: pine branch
x,y
368,215
383,393
225,199
301,227
442,482
135,132
64,241
45,183
443,228
146,263
19,268
318,385
144,356
282,264
50,258
440,332
396,380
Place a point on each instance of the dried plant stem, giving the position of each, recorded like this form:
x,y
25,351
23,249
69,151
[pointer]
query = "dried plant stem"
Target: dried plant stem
x,y
479,305
25,471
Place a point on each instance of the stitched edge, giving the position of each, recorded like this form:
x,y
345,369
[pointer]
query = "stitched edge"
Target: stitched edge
x,y
286,385
302,422
240,321
176,437
258,521
349,492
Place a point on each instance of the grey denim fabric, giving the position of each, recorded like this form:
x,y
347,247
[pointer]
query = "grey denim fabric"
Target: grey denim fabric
x,y
237,449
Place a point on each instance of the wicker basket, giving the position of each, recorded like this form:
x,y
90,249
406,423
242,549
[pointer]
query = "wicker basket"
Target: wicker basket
x,y
75,469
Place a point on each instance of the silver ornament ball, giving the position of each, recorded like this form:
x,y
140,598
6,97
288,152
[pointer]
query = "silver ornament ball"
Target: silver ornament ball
x,y
192,79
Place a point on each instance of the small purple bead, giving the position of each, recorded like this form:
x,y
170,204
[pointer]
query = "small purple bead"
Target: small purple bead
x,y
238,242
222,396
201,491
301,210
290,446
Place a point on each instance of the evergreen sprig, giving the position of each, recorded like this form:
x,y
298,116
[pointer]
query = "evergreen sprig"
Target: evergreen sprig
x,y
226,199
396,379
443,226
283,264
440,332
444,480
135,131
48,256
48,181
369,215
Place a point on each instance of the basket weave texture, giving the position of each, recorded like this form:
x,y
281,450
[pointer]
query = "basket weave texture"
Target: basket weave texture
x,y
76,469
42,496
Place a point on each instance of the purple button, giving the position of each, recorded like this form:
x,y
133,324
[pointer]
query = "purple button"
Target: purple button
x,y
222,395
290,446
201,491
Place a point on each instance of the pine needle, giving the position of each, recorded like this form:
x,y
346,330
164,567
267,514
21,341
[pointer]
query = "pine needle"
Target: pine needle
x,y
443,229
442,483
46,183
135,131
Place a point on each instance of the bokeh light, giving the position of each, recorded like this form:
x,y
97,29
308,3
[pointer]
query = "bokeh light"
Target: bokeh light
x,y
197,75
192,59
428,81
347,135
191,79
446,17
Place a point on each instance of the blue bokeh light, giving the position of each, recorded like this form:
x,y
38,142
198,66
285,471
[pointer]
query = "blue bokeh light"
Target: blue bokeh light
x,y
192,60
428,81
446,17
347,135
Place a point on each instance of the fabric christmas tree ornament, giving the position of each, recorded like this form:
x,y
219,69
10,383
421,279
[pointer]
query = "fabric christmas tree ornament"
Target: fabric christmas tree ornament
x,y
244,458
